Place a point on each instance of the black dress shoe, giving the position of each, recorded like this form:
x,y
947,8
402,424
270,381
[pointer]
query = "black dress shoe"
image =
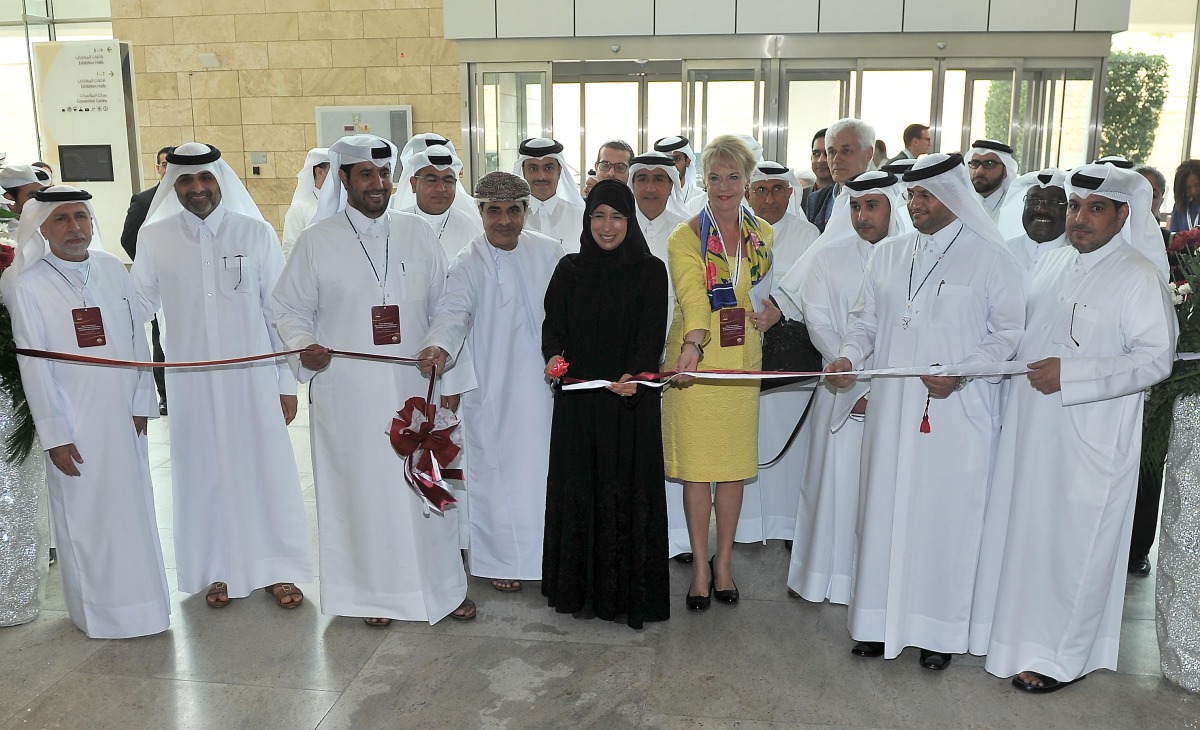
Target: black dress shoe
x,y
729,596
935,661
699,604
1140,566
162,407
685,558
868,649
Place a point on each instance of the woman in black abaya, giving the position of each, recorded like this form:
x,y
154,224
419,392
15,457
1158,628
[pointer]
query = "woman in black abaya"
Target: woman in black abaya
x,y
606,516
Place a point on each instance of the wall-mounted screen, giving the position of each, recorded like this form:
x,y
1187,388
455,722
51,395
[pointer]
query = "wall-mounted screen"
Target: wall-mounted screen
x,y
85,163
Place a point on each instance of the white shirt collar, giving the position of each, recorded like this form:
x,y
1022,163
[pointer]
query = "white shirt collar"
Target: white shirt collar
x,y
937,242
1088,261
537,206
64,264
438,222
365,225
212,222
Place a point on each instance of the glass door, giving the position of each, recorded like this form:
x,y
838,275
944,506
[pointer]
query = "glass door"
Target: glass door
x,y
599,101
976,104
509,103
811,100
1059,109
724,98
892,97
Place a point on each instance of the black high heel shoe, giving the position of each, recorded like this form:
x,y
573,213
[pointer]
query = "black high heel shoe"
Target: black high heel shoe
x,y
730,596
699,604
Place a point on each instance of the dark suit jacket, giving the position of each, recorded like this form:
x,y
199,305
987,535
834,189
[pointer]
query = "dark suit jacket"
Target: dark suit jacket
x,y
139,206
902,156
814,203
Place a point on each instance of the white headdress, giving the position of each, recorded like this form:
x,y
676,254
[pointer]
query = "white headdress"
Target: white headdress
x,y
440,157
945,177
350,150
15,176
1013,208
982,147
417,144
667,145
539,148
31,244
754,145
194,158
660,161
1126,186
840,227
768,170
306,186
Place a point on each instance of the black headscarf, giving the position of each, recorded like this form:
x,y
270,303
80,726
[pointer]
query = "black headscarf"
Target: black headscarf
x,y
634,248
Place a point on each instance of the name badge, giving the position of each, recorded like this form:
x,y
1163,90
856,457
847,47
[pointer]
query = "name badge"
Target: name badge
x,y
733,327
89,326
385,324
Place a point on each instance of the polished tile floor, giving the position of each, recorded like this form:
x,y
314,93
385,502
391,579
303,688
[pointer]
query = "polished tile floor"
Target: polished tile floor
x,y
767,663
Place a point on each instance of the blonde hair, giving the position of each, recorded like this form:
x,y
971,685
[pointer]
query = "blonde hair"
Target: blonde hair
x,y
731,149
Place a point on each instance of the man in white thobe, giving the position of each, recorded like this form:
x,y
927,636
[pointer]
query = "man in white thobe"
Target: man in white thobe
x,y
1145,232
433,182
653,178
770,499
404,197
948,294
684,157
92,420
993,169
383,556
207,257
822,563
556,206
1101,329
1043,214
304,200
494,297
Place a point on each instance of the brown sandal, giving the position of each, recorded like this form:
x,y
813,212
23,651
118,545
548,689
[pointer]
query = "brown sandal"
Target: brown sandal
x,y
217,588
377,623
468,611
506,586
280,591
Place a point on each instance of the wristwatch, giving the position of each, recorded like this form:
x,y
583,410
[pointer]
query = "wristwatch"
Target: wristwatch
x,y
699,347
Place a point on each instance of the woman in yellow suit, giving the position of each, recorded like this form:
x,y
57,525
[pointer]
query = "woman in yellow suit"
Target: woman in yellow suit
x,y
710,428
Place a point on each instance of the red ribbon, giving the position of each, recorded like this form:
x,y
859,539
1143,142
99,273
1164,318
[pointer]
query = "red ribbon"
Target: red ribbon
x,y
426,451
90,360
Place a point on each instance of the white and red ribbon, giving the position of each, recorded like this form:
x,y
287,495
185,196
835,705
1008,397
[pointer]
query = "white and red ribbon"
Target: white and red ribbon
x,y
659,380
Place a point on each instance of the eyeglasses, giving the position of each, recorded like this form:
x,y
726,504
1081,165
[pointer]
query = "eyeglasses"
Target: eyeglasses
x,y
1032,202
447,180
605,166
923,196
985,164
762,191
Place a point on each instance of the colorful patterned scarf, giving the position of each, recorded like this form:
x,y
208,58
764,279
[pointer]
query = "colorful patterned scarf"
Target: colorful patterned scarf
x,y
716,265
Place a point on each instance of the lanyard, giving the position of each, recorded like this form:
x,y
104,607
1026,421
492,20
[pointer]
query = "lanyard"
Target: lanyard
x,y
912,295
735,272
386,248
87,275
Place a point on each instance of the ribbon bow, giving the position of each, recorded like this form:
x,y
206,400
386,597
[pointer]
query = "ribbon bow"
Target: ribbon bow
x,y
426,450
